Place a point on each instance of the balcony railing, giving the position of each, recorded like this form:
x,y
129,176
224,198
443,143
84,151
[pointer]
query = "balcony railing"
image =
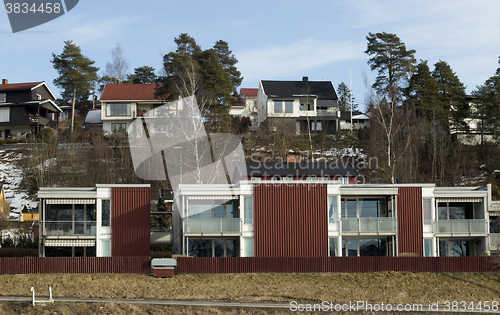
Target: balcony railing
x,y
461,227
495,241
369,225
69,228
212,226
326,112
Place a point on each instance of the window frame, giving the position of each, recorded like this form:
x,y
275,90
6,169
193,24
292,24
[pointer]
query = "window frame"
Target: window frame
x,y
111,111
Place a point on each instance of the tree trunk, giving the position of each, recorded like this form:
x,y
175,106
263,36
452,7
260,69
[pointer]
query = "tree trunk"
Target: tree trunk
x,y
73,111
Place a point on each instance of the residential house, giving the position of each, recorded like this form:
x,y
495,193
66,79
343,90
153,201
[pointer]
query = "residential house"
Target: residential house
x,y
122,103
308,210
477,130
26,108
248,105
93,120
359,121
101,221
298,106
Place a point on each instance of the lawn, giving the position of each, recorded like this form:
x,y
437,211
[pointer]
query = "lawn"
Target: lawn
x,y
386,287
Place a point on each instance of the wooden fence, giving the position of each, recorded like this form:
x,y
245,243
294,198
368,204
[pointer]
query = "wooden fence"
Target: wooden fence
x,y
26,265
334,264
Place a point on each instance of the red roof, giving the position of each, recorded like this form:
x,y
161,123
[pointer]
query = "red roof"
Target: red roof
x,y
18,86
249,92
129,92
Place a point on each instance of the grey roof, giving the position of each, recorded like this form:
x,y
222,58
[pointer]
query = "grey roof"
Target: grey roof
x,y
93,117
322,89
303,169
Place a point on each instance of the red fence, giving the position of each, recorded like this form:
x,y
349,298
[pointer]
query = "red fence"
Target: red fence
x,y
25,265
334,264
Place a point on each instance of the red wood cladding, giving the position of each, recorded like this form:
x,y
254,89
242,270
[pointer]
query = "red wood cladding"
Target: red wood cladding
x,y
290,220
27,265
130,223
334,264
410,224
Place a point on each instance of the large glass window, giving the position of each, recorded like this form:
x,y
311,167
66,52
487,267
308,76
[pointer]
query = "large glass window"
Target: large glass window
x,y
213,208
364,247
213,248
363,208
249,251
69,219
3,97
453,248
118,109
288,106
371,208
455,210
427,247
333,247
332,209
248,208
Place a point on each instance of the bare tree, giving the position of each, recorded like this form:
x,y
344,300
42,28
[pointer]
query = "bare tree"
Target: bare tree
x,y
117,68
392,129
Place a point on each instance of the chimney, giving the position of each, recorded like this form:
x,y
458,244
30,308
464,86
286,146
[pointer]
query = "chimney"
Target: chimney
x,y
305,79
5,81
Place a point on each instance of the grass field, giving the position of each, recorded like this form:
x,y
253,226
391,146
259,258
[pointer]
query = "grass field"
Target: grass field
x,y
386,287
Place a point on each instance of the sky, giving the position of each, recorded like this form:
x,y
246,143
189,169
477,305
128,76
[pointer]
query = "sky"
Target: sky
x,y
272,39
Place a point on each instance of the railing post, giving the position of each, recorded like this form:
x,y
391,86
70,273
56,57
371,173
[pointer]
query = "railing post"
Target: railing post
x,y
33,295
378,225
221,226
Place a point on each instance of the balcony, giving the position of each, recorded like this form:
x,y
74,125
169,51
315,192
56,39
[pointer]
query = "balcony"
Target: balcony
x,y
327,112
494,241
226,227
69,228
460,227
369,226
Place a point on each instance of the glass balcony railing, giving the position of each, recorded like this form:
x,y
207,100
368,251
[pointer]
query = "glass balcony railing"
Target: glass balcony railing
x,y
494,241
450,227
369,225
69,228
212,226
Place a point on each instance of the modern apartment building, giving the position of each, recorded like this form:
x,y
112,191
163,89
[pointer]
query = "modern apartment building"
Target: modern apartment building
x,y
101,221
311,210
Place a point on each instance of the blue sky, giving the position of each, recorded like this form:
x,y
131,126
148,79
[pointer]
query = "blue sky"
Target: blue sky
x,y
273,39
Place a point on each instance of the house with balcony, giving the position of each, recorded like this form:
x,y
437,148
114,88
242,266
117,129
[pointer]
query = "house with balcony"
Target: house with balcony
x,y
102,221
309,210
122,103
298,106
26,108
246,105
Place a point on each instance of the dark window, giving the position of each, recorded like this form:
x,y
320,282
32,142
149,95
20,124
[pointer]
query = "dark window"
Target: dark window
x,y
106,212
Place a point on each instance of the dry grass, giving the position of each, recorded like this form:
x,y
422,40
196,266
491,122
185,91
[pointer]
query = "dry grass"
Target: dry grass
x,y
387,287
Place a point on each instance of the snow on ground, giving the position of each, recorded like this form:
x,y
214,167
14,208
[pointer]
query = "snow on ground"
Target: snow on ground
x,y
11,176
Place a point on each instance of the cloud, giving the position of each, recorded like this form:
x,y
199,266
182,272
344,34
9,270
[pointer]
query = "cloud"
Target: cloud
x,y
275,61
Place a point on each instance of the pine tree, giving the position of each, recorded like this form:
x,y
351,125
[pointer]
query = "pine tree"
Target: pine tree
x,y
144,75
76,75
344,98
393,62
209,74
488,103
452,96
